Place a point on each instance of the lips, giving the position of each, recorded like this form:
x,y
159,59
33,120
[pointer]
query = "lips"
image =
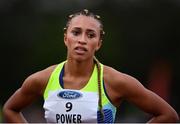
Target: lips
x,y
80,50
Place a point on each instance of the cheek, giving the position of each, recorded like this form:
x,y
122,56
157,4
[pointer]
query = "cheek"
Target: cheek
x,y
94,46
69,41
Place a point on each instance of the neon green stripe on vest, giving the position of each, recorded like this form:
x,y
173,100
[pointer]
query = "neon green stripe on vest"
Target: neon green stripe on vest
x,y
53,83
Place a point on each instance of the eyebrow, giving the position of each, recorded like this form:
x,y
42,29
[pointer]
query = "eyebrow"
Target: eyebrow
x,y
89,30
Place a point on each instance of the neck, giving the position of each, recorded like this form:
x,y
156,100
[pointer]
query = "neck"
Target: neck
x,y
79,68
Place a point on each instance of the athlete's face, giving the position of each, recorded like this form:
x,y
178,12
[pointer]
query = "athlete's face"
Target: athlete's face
x,y
82,37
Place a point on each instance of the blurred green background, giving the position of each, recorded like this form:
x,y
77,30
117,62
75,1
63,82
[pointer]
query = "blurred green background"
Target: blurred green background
x,y
142,39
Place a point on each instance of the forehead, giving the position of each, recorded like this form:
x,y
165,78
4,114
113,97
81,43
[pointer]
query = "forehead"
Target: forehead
x,y
86,22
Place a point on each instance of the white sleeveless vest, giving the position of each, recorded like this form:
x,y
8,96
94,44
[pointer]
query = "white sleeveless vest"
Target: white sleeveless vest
x,y
76,106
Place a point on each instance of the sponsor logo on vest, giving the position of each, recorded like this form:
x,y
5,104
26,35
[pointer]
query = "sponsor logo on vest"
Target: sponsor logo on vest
x,y
69,94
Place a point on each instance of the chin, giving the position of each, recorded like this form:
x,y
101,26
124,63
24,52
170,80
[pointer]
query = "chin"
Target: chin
x,y
77,58
81,58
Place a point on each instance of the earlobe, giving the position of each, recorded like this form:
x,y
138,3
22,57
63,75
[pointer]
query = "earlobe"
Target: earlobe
x,y
99,45
65,39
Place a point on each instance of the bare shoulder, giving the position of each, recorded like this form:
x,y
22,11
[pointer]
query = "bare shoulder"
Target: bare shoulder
x,y
36,82
120,82
111,74
114,76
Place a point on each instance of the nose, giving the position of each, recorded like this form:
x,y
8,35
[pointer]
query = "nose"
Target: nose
x,y
82,39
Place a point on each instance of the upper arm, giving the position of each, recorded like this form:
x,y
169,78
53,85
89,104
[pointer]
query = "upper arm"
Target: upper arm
x,y
31,89
123,86
148,101
137,94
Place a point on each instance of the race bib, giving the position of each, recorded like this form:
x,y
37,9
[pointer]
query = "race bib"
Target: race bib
x,y
71,106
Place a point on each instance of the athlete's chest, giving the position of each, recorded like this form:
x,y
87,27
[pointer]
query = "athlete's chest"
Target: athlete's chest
x,y
71,106
75,83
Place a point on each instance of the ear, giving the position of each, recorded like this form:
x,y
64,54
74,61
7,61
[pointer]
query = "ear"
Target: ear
x,y
65,39
99,45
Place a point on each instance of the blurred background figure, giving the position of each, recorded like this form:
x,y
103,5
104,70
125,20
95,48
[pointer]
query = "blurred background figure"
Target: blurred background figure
x,y
160,78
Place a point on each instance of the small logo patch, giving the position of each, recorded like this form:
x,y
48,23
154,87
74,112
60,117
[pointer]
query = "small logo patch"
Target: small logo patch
x,y
69,94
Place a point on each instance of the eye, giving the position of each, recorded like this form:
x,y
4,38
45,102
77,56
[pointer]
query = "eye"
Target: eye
x,y
75,32
91,35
